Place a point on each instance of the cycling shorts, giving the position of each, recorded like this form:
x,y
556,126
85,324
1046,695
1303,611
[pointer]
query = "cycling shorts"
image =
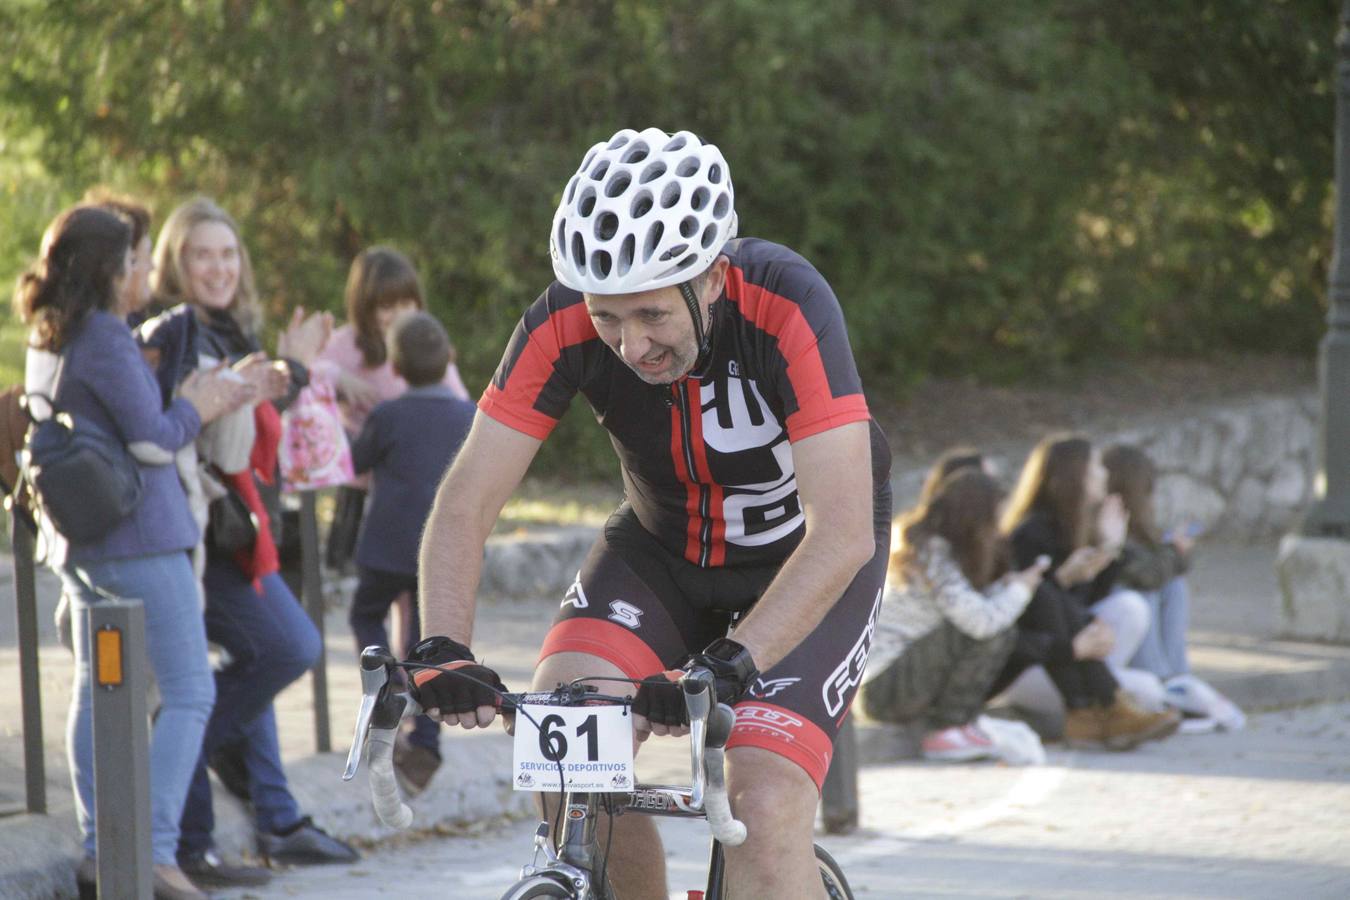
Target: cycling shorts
x,y
644,610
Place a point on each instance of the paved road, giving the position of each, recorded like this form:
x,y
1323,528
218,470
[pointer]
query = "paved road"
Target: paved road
x,y
1262,813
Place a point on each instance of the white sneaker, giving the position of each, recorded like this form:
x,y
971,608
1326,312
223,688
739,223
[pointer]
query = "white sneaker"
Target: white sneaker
x,y
1198,725
1196,698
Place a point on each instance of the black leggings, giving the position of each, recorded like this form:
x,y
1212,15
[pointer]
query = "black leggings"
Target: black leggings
x,y
1057,616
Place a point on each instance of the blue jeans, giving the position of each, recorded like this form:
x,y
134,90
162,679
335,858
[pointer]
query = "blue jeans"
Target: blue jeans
x,y
271,643
175,644
1163,651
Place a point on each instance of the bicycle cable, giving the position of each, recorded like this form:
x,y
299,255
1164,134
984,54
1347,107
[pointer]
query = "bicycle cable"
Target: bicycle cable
x,y
507,701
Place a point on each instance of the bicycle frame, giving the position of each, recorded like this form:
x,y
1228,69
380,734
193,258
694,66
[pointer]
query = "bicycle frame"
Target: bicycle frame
x,y
575,861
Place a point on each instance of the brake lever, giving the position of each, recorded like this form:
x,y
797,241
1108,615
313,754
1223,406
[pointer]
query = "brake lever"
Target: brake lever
x,y
698,687
376,664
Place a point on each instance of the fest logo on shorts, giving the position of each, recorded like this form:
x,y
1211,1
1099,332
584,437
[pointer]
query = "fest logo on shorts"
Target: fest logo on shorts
x,y
772,719
848,674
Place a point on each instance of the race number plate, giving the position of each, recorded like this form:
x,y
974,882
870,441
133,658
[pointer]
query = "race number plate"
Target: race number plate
x,y
593,745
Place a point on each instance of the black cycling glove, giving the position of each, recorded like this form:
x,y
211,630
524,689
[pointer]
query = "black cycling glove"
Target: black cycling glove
x,y
446,688
661,701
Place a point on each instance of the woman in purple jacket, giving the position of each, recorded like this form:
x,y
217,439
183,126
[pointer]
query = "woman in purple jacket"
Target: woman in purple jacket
x,y
81,353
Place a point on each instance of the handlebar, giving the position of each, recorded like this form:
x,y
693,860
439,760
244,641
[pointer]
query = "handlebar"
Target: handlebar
x,y
382,709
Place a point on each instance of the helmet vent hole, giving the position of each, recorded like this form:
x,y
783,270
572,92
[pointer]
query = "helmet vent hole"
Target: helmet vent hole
x,y
688,261
636,153
572,188
626,250
652,241
590,155
722,206
601,263
642,204
618,141
699,199
670,195
675,143
674,252
715,173
578,250
618,183
561,240
586,204
655,169
688,227
709,235
606,226
600,169
688,166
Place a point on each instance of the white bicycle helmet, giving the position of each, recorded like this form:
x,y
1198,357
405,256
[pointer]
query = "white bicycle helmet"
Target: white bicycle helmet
x,y
645,210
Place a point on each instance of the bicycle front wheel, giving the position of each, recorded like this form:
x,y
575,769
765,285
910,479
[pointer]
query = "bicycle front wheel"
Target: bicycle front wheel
x,y
836,885
538,886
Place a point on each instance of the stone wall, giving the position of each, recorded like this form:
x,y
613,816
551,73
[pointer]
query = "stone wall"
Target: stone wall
x,y
1246,469
1242,469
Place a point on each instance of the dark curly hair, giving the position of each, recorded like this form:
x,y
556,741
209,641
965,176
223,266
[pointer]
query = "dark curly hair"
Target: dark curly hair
x,y
83,253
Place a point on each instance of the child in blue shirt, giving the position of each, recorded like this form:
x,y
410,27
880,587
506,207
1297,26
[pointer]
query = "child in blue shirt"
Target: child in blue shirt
x,y
407,443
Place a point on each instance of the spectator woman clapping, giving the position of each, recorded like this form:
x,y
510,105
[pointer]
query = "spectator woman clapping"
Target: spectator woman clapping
x,y
250,612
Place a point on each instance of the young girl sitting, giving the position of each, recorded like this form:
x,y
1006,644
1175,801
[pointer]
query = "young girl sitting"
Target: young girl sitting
x,y
1155,564
945,628
1078,630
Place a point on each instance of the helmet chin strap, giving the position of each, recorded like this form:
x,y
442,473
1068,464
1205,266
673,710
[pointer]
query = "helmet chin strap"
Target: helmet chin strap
x,y
704,335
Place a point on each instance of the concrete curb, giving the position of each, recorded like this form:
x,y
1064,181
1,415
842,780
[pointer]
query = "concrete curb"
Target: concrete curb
x,y
473,785
37,856
1256,675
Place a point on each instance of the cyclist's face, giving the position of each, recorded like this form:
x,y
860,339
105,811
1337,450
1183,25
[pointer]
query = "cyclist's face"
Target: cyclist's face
x,y
652,332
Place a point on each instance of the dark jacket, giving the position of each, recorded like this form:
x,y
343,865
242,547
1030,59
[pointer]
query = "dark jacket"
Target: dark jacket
x,y
408,443
1147,566
1046,629
1038,535
220,337
174,334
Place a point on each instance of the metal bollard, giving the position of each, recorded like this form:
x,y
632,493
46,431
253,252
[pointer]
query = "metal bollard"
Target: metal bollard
x,y
116,630
25,596
312,591
839,793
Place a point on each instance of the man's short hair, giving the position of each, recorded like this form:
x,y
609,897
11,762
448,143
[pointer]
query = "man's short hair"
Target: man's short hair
x,y
419,348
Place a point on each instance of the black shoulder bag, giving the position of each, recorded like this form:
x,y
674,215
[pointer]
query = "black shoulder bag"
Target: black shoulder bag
x,y
85,479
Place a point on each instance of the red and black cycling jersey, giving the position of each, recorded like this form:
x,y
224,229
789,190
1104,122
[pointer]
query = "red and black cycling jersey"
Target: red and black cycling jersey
x,y
706,461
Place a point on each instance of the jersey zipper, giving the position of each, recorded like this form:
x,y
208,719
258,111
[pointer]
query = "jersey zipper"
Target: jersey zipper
x,y
680,393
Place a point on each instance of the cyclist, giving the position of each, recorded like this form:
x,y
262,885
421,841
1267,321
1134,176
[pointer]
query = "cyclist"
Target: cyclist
x,y
756,481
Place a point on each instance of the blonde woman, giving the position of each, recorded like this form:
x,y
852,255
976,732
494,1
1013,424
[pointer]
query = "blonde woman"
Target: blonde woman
x,y
201,260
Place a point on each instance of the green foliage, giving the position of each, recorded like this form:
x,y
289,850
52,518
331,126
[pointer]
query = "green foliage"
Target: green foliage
x,y
992,188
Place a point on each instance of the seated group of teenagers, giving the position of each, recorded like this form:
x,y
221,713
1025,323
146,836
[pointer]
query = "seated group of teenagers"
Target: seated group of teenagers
x,y
1064,602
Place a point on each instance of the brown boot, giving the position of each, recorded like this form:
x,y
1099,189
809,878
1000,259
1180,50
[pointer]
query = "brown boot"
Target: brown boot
x,y
1085,728
1126,725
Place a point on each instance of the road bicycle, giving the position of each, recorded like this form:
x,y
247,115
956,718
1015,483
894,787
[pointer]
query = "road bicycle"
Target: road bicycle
x,y
570,859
